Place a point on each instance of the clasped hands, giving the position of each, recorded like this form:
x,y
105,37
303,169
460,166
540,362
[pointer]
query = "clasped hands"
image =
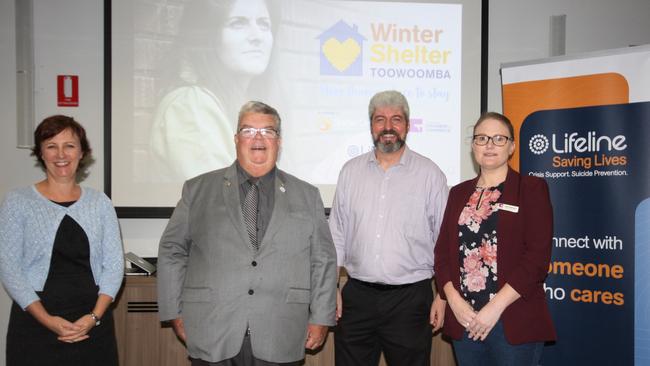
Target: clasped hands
x,y
478,324
69,332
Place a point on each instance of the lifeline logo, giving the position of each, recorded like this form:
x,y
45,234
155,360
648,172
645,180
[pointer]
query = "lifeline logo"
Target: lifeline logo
x,y
341,50
573,142
538,144
599,147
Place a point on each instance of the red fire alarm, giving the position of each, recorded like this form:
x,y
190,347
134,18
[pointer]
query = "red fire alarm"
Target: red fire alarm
x,y
67,90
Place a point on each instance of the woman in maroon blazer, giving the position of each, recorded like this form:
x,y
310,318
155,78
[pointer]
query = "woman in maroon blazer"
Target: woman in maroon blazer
x,y
492,256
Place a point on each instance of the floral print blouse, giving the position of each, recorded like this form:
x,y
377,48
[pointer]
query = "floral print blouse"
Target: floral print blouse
x,y
477,231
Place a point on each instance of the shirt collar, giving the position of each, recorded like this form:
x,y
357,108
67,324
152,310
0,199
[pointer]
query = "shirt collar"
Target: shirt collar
x,y
405,159
243,176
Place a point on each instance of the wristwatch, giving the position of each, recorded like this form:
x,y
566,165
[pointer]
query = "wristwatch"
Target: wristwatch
x,y
95,318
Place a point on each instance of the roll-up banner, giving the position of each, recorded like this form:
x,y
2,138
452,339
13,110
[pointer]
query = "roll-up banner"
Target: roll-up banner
x,y
583,124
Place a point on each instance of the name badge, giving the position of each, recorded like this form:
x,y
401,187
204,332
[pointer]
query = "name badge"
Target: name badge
x,y
507,207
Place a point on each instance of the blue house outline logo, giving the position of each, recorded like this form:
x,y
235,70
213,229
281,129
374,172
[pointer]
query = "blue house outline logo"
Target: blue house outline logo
x,y
341,50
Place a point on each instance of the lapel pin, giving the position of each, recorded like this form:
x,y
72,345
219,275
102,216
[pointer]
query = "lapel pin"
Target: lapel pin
x,y
282,189
227,182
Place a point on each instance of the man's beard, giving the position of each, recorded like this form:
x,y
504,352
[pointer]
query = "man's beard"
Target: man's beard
x,y
389,147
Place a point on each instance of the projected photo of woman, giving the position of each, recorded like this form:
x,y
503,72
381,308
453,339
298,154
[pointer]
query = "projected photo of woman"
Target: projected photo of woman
x,y
219,59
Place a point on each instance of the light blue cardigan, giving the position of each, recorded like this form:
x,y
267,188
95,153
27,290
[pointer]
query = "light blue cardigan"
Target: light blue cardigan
x,y
28,225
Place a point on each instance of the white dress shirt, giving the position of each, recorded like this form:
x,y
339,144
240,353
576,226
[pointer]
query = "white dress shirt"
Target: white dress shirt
x,y
385,223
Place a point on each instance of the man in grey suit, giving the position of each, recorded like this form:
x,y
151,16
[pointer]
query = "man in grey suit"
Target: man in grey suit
x,y
246,265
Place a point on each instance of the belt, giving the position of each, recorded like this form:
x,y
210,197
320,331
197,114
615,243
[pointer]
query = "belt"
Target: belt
x,y
382,286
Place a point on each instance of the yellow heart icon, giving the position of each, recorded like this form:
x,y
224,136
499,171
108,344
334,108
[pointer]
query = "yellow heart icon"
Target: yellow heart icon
x,y
341,55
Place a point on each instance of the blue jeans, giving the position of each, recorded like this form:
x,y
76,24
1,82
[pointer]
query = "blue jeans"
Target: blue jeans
x,y
496,351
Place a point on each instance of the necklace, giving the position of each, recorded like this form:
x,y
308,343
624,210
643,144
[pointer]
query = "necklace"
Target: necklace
x,y
480,197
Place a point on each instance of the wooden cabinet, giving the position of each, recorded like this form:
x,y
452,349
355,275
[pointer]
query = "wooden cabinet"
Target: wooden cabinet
x,y
143,341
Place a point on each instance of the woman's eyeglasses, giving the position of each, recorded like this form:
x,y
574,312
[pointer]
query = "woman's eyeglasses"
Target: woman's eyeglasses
x,y
497,140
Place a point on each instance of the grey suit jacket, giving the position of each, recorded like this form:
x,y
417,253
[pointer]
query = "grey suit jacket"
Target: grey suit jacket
x,y
209,275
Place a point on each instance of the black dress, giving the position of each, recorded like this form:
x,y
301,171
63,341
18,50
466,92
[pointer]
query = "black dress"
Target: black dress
x,y
69,292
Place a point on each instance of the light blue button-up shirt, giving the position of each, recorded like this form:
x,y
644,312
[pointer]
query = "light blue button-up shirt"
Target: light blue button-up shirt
x,y
385,223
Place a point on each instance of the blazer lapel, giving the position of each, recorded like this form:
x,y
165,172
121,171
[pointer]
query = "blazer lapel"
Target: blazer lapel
x,y
508,221
465,192
233,204
280,208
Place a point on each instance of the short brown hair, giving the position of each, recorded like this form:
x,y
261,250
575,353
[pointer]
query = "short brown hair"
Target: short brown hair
x,y
499,117
52,126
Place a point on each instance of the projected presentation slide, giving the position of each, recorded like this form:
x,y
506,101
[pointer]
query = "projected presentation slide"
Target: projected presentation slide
x,y
182,69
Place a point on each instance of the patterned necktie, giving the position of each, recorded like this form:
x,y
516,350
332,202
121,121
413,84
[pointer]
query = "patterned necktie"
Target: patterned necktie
x,y
250,213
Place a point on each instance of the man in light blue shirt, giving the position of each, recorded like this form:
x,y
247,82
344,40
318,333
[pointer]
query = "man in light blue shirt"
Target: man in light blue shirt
x,y
385,219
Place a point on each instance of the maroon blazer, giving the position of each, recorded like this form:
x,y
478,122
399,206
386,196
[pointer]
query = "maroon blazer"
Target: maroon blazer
x,y
523,255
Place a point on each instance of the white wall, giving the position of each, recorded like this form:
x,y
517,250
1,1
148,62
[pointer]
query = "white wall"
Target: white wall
x,y
520,30
15,165
69,41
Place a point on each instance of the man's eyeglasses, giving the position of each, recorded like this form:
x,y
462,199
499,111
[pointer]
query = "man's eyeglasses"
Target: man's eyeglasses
x,y
265,132
497,140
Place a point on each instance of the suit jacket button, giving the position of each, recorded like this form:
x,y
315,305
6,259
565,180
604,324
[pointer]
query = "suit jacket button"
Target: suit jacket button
x,y
250,292
253,263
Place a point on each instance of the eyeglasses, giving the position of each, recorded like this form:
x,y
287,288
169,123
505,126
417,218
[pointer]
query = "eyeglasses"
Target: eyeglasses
x,y
497,140
265,132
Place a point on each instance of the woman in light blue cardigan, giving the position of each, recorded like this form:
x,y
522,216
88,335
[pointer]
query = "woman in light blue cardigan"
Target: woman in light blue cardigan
x,y
61,258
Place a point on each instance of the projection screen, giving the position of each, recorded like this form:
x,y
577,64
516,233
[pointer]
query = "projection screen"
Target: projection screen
x,y
181,69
